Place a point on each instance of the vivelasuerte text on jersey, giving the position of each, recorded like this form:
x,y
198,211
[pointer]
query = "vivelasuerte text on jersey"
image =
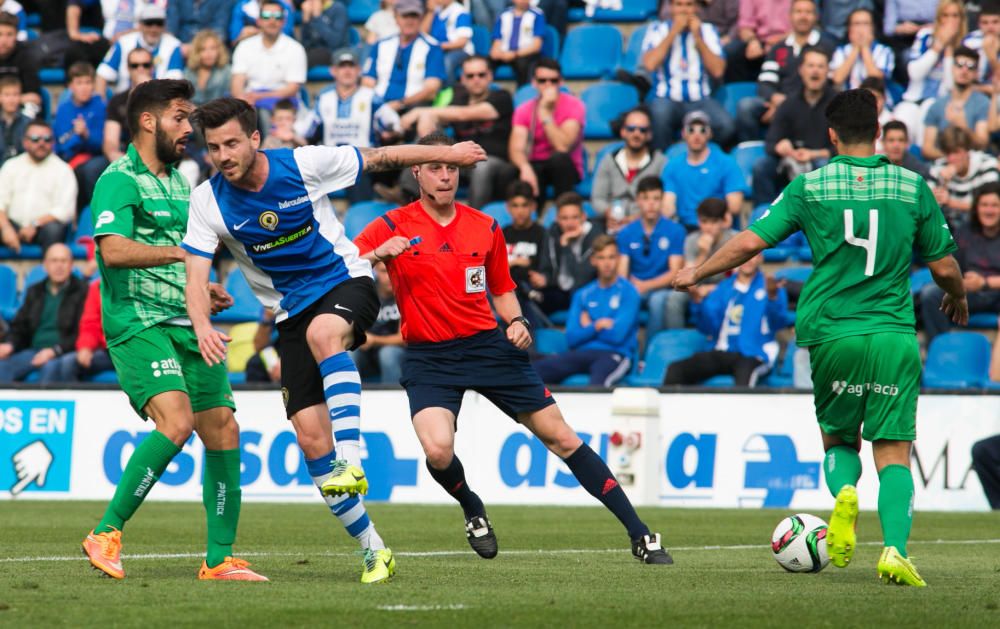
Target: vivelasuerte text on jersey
x,y
286,238
862,218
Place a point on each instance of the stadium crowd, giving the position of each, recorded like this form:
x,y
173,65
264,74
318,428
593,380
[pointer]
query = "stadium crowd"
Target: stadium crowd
x,y
636,140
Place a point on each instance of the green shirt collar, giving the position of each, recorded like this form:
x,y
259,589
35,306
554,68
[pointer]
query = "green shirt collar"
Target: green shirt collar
x,y
138,165
865,162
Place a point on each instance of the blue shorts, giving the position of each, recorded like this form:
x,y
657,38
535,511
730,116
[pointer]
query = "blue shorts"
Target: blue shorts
x,y
439,374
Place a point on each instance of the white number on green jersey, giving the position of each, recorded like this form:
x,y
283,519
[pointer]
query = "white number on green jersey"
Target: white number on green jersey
x,y
868,244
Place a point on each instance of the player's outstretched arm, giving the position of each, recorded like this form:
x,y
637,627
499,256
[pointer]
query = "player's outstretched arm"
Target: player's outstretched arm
x,y
948,275
211,342
463,154
121,252
738,250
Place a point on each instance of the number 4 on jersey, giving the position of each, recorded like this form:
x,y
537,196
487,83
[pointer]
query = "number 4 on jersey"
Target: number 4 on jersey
x,y
868,244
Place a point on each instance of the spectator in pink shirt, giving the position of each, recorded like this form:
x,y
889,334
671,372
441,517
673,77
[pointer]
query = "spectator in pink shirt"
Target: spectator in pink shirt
x,y
546,142
763,24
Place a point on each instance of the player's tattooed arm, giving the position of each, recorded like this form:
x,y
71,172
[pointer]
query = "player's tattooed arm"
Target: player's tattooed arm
x,y
121,252
463,154
379,159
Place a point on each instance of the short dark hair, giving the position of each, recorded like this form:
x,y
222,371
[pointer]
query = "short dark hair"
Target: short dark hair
x,y
285,104
7,19
648,184
137,49
816,50
954,139
78,69
477,58
989,7
712,209
569,198
219,111
8,80
966,52
518,188
853,114
39,122
602,242
992,187
874,84
547,63
154,97
895,125
436,138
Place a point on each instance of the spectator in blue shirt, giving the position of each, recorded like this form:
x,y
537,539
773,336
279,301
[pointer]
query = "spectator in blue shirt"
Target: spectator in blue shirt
x,y
684,54
79,130
602,330
324,29
243,20
186,18
652,252
742,315
450,23
699,173
407,69
517,38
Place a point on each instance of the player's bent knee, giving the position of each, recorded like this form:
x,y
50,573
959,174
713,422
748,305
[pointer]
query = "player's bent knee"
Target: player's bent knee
x,y
439,456
328,334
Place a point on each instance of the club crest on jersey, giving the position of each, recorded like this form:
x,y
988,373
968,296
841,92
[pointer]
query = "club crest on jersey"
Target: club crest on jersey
x,y
268,220
475,279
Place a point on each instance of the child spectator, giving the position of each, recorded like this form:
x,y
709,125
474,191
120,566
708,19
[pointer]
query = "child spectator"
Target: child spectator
x,y
79,130
13,122
282,133
449,22
517,38
525,240
566,256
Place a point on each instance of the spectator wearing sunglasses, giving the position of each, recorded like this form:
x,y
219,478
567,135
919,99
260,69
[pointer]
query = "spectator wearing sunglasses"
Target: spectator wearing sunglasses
x,y
701,172
243,21
964,106
616,181
168,62
139,64
37,192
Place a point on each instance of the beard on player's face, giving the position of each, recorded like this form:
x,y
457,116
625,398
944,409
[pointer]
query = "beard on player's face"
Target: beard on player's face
x,y
168,149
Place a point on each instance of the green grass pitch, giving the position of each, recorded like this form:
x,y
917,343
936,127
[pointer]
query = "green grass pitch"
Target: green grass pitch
x,y
557,567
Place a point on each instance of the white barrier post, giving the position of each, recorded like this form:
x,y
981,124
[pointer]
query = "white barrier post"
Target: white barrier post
x,y
634,444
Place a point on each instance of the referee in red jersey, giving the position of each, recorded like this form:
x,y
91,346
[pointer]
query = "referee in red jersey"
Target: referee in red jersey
x,y
442,259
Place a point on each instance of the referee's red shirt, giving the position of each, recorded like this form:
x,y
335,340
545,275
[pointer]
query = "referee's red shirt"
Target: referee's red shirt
x,y
441,283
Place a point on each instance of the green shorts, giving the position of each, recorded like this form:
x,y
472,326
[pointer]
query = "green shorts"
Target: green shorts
x,y
166,358
868,383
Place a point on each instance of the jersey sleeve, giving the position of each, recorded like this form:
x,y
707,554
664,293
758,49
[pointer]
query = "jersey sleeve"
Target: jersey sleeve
x,y
934,239
539,26
116,198
377,232
200,238
497,269
108,68
327,169
783,218
435,64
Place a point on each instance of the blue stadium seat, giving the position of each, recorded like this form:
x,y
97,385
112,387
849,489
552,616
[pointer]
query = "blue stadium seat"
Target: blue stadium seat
x,y
787,249
35,274
592,51
632,58
34,20
719,381
605,102
560,317
919,279
745,154
358,11
237,377
731,93
983,320
481,40
667,347
550,48
577,380
52,76
8,292
319,74
783,374
47,112
550,341
104,377
360,214
245,307
498,210
957,360
631,11
794,273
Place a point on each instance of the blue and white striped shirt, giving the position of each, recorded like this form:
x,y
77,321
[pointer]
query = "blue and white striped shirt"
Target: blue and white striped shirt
x,y
167,60
930,72
885,60
974,40
452,23
516,32
683,77
401,71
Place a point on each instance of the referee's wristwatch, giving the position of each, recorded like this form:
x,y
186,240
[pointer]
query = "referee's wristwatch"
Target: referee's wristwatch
x,y
523,321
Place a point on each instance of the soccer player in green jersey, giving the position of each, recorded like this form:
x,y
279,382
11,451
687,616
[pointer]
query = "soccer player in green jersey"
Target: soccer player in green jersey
x,y
140,206
862,216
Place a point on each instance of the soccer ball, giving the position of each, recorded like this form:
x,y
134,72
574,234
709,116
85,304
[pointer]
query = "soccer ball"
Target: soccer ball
x,y
799,543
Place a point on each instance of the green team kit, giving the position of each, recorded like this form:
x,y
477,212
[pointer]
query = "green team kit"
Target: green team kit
x,y
150,339
862,218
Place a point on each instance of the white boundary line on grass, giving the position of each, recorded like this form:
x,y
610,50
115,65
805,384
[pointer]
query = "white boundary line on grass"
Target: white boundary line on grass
x,y
456,553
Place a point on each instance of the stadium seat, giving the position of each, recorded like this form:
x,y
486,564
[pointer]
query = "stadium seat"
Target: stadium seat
x,y
631,11
559,317
787,249
919,279
550,341
667,347
794,273
358,11
52,76
104,377
319,74
8,292
481,40
591,51
245,306
237,377
983,320
731,93
783,374
550,48
957,360
46,95
498,210
632,57
360,214
605,102
576,380
745,154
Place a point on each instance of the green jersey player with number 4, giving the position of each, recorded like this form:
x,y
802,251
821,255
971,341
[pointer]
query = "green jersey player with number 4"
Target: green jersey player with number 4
x,y
863,217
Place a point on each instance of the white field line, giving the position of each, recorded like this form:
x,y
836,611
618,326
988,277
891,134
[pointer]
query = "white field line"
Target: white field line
x,y
421,608
458,553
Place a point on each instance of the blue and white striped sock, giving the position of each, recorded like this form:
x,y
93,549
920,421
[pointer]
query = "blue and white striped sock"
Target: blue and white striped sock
x,y
342,388
349,510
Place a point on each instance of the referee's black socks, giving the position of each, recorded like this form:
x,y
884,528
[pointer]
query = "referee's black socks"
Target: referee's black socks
x,y
452,478
597,479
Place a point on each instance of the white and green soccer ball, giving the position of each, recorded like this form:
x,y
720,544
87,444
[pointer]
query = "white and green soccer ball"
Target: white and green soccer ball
x,y
799,543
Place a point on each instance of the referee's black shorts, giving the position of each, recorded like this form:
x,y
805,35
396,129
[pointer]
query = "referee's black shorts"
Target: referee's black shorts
x,y
301,382
439,374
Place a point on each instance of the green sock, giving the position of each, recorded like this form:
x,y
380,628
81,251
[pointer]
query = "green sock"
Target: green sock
x,y
143,469
895,505
842,466
222,495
